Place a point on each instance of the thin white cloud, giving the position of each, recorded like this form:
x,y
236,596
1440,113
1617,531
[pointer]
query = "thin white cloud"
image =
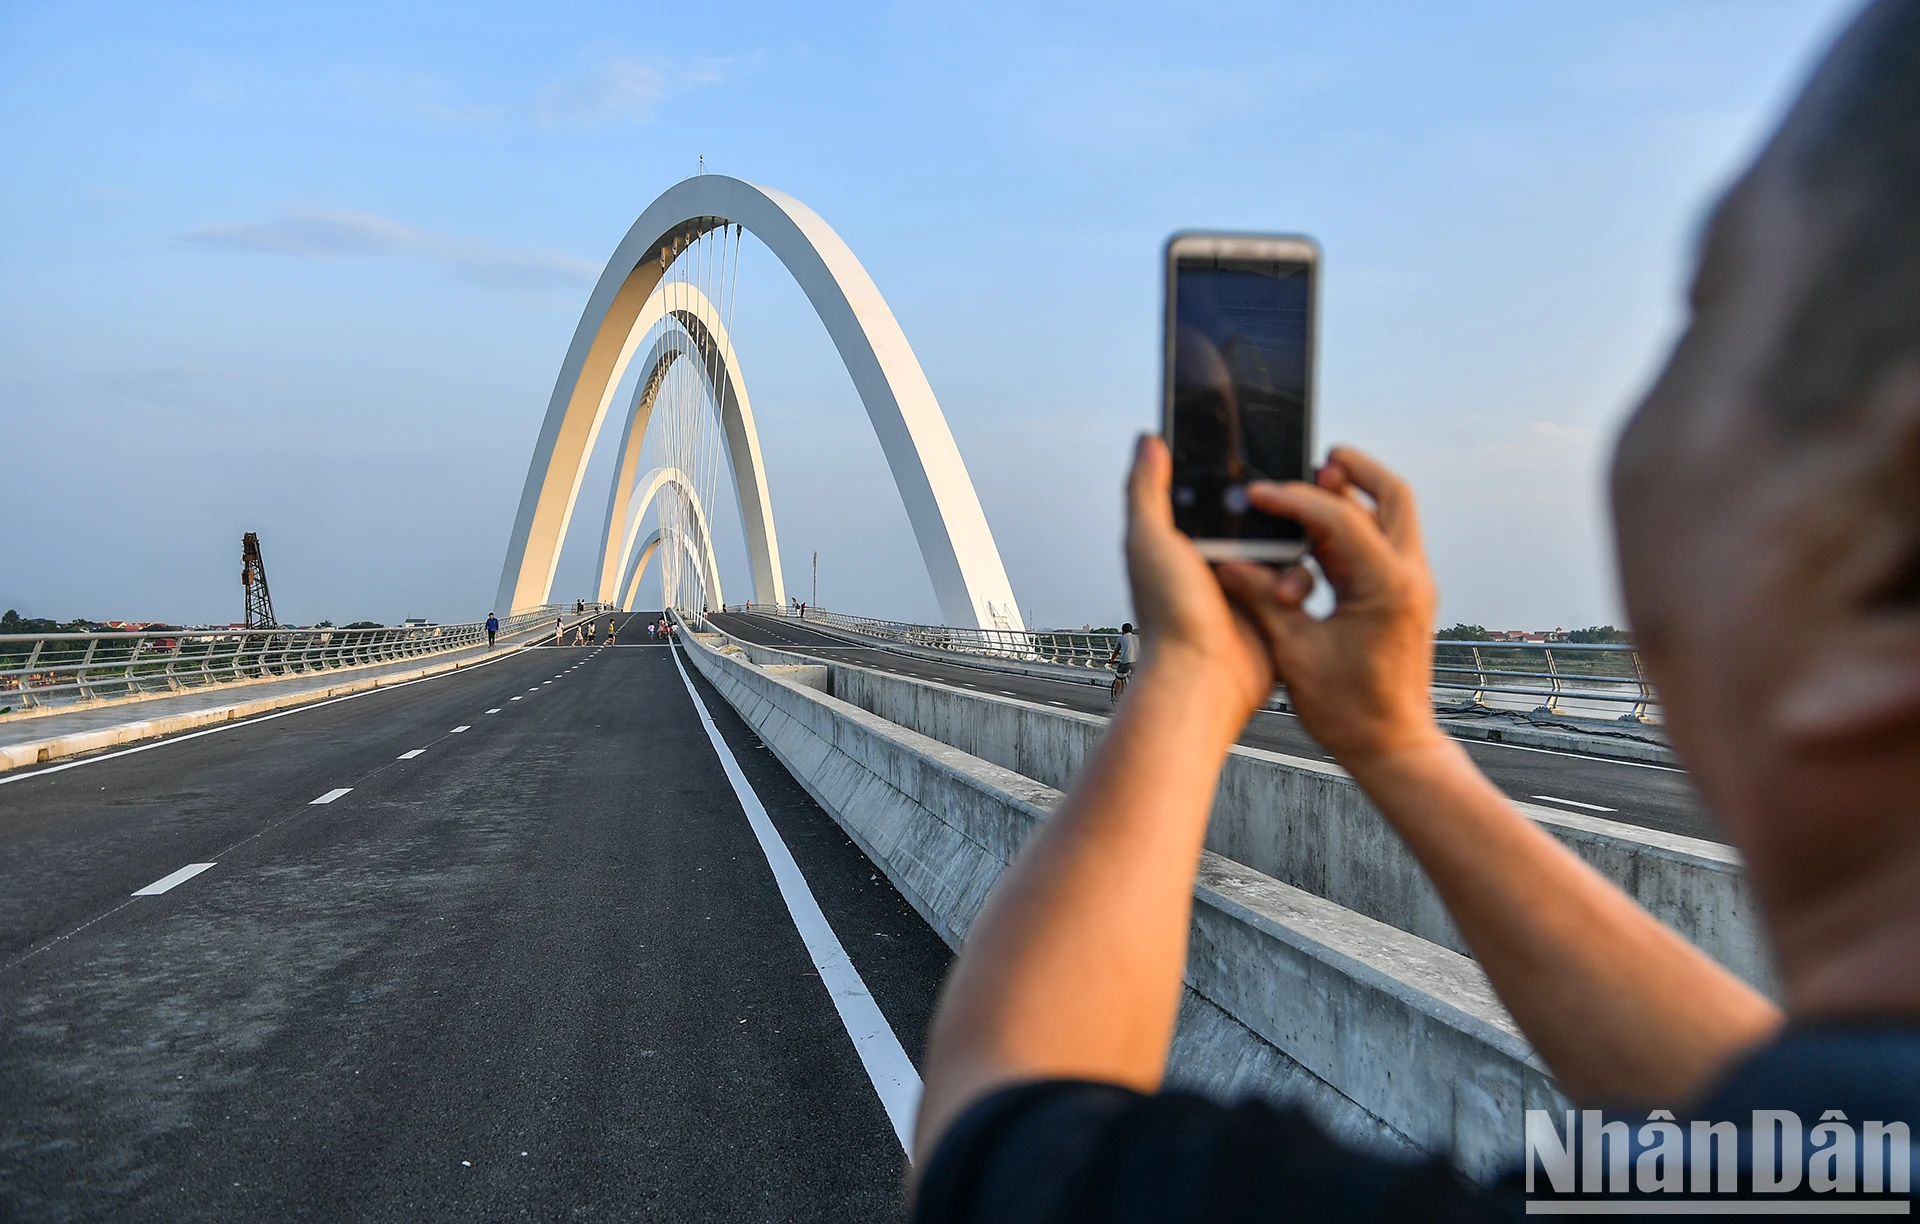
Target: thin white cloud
x,y
192,388
622,89
611,91
417,96
337,234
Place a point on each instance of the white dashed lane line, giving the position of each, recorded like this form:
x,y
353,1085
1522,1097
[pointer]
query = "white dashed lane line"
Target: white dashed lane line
x,y
331,795
1591,807
494,710
410,753
513,699
166,882
463,727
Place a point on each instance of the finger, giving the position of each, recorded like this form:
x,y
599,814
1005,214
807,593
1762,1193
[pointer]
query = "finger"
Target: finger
x,y
1392,497
1271,601
1149,482
1346,536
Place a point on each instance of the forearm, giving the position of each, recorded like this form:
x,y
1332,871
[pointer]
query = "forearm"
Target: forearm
x,y
1621,1006
1074,966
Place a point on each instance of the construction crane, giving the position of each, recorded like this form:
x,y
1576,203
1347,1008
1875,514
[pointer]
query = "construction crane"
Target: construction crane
x,y
253,576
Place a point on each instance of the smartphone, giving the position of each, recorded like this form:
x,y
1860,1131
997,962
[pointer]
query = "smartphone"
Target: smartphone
x,y
1238,388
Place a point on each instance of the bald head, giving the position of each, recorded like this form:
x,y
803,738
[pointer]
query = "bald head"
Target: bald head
x,y
1767,504
1848,159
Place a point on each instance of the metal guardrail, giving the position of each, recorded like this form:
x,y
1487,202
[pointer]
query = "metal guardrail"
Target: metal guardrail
x,y
1491,674
1064,647
47,670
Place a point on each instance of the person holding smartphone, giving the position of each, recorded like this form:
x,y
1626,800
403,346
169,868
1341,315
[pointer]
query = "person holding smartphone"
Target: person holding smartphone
x,y
1769,546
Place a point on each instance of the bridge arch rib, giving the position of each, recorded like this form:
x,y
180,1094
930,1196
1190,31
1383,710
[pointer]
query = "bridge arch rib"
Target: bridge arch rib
x,y
955,541
648,547
697,334
705,562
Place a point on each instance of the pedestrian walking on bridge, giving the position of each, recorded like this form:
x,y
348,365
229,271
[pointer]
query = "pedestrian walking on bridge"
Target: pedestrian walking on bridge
x,y
493,629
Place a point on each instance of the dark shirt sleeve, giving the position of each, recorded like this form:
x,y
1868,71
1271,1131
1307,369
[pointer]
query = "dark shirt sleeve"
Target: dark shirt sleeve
x,y
1068,1151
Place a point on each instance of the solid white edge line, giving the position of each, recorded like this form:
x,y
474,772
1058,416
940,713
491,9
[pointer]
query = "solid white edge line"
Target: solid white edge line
x,y
20,775
331,795
168,881
886,1062
1591,807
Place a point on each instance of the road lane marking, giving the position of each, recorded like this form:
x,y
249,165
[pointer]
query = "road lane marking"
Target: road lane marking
x,y
409,754
331,795
166,882
536,688
885,1060
513,699
494,710
1591,807
1061,704
1005,693
462,727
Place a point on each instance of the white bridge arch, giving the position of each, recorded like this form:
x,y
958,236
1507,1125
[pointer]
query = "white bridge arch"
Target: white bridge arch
x,y
951,529
698,335
628,566
647,549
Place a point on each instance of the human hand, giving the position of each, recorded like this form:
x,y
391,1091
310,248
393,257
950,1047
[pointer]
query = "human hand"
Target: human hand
x,y
1184,616
1361,680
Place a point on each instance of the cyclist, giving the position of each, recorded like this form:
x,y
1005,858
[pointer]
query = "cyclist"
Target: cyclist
x,y
1126,652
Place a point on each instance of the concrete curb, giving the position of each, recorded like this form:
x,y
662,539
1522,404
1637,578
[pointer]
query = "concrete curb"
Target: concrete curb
x,y
53,748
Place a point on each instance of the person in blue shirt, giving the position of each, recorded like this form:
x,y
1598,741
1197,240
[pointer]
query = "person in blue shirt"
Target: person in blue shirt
x,y
493,629
1766,499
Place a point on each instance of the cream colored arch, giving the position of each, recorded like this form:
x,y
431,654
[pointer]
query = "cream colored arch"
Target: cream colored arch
x,y
639,569
955,541
647,548
706,563
696,333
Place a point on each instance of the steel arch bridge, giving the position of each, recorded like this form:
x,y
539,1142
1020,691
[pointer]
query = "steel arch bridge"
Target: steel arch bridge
x,y
632,297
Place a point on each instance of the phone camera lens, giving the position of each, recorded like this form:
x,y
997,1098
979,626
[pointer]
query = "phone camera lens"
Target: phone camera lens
x,y
1235,499
1183,496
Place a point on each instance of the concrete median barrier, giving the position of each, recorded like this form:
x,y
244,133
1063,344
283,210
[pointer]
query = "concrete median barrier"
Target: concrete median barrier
x,y
1390,1039
1307,824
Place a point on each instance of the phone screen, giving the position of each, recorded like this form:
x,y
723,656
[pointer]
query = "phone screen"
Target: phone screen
x,y
1239,385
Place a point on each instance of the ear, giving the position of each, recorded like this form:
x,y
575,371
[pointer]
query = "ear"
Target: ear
x,y
1863,680
1868,694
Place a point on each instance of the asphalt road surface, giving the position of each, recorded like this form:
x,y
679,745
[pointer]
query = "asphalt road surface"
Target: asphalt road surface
x,y
1651,796
529,961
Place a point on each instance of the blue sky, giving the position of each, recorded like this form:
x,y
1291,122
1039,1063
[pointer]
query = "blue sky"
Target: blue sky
x,y
312,273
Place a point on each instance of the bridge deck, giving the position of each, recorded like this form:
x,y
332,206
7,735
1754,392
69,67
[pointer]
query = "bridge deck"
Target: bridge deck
x,y
1651,796
541,968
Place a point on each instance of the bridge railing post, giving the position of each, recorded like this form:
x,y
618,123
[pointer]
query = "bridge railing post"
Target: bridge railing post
x,y
1552,704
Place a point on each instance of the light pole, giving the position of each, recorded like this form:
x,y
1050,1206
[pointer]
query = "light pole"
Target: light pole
x,y
816,579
